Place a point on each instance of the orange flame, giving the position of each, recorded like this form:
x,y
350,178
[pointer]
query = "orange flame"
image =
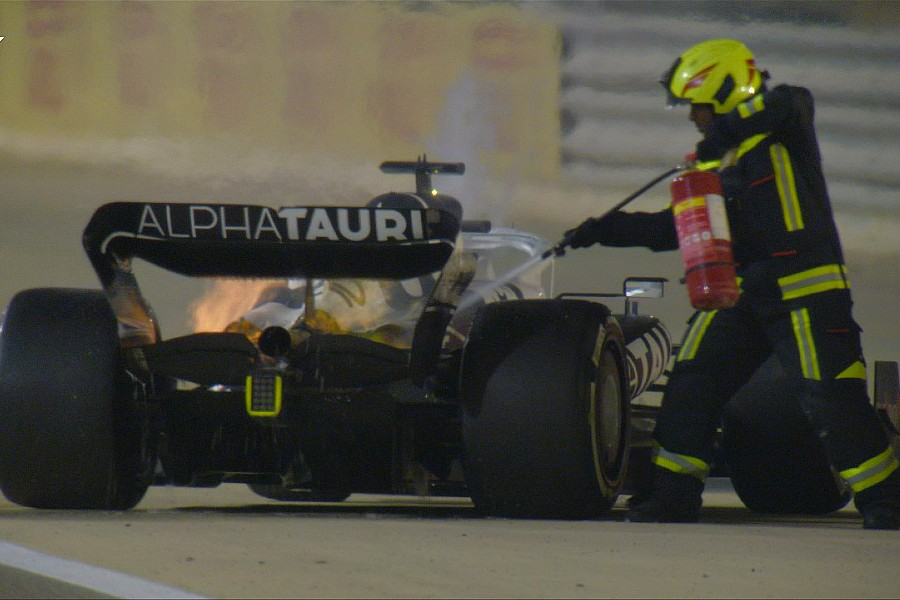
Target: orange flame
x,y
225,301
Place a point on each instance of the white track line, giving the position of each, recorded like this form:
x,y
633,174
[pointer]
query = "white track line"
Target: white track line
x,y
103,581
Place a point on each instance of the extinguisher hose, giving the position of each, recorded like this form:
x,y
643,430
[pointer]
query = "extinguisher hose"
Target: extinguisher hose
x,y
559,248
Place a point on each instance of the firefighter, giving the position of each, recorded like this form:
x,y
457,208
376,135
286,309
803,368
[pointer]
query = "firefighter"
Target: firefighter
x,y
795,293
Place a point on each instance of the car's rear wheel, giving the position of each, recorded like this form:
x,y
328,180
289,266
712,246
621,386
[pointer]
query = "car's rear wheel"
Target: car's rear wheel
x,y
73,423
776,462
545,410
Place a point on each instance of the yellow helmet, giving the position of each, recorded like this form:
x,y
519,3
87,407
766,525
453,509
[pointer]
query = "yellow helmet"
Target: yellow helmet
x,y
718,72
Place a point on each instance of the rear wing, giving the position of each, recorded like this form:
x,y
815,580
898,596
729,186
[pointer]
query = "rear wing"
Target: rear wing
x,y
236,240
378,241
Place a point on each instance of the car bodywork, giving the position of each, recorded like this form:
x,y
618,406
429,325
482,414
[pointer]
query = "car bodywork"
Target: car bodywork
x,y
474,384
316,408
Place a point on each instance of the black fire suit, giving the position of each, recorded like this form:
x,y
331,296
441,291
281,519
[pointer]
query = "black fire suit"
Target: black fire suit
x,y
795,298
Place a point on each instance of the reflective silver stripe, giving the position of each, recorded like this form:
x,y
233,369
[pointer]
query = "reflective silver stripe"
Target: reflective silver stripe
x,y
874,470
809,360
694,335
680,463
787,189
813,281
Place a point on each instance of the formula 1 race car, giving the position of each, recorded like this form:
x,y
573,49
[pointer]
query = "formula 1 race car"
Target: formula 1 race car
x,y
385,357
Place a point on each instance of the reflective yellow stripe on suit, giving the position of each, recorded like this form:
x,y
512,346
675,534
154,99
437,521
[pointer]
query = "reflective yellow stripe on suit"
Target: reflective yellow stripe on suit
x,y
750,143
874,470
813,281
694,335
809,359
680,463
746,146
750,107
787,189
855,371
708,165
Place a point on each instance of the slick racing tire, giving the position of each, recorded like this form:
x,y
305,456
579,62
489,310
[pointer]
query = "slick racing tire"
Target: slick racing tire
x,y
546,413
71,433
776,462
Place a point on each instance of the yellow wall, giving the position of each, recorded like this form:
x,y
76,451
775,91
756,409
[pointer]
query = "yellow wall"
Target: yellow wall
x,y
356,79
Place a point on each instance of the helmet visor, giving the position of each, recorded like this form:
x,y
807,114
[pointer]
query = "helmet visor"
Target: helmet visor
x,y
672,100
666,81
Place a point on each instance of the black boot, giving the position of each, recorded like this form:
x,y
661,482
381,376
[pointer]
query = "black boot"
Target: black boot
x,y
879,505
675,499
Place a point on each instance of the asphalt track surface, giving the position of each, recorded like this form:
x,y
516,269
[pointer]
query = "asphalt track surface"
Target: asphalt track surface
x,y
226,542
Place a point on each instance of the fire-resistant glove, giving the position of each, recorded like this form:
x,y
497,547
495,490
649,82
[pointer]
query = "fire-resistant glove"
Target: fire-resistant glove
x,y
593,231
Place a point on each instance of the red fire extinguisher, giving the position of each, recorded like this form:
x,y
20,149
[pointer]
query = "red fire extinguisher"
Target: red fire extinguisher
x,y
704,240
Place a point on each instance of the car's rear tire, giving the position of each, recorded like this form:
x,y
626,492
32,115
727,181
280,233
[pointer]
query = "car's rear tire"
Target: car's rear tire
x,y
72,434
545,418
775,461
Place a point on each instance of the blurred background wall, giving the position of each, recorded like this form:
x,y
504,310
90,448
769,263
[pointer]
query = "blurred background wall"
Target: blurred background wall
x,y
347,79
846,52
562,94
554,107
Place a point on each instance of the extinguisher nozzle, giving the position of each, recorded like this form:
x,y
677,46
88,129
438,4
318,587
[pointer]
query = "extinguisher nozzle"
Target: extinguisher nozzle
x,y
557,250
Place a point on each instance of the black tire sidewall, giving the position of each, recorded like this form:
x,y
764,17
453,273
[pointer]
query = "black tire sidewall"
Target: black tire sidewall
x,y
525,385
68,438
776,462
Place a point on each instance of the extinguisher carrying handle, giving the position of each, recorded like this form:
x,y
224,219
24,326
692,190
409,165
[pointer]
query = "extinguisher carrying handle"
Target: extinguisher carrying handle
x,y
559,249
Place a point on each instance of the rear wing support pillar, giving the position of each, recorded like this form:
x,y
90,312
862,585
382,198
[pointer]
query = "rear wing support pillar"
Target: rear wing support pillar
x,y
428,337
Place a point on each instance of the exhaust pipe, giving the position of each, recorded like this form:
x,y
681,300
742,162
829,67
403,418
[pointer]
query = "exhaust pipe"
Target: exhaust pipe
x,y
277,341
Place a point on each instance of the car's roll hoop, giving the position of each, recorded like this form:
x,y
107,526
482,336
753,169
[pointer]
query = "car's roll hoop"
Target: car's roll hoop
x,y
423,171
